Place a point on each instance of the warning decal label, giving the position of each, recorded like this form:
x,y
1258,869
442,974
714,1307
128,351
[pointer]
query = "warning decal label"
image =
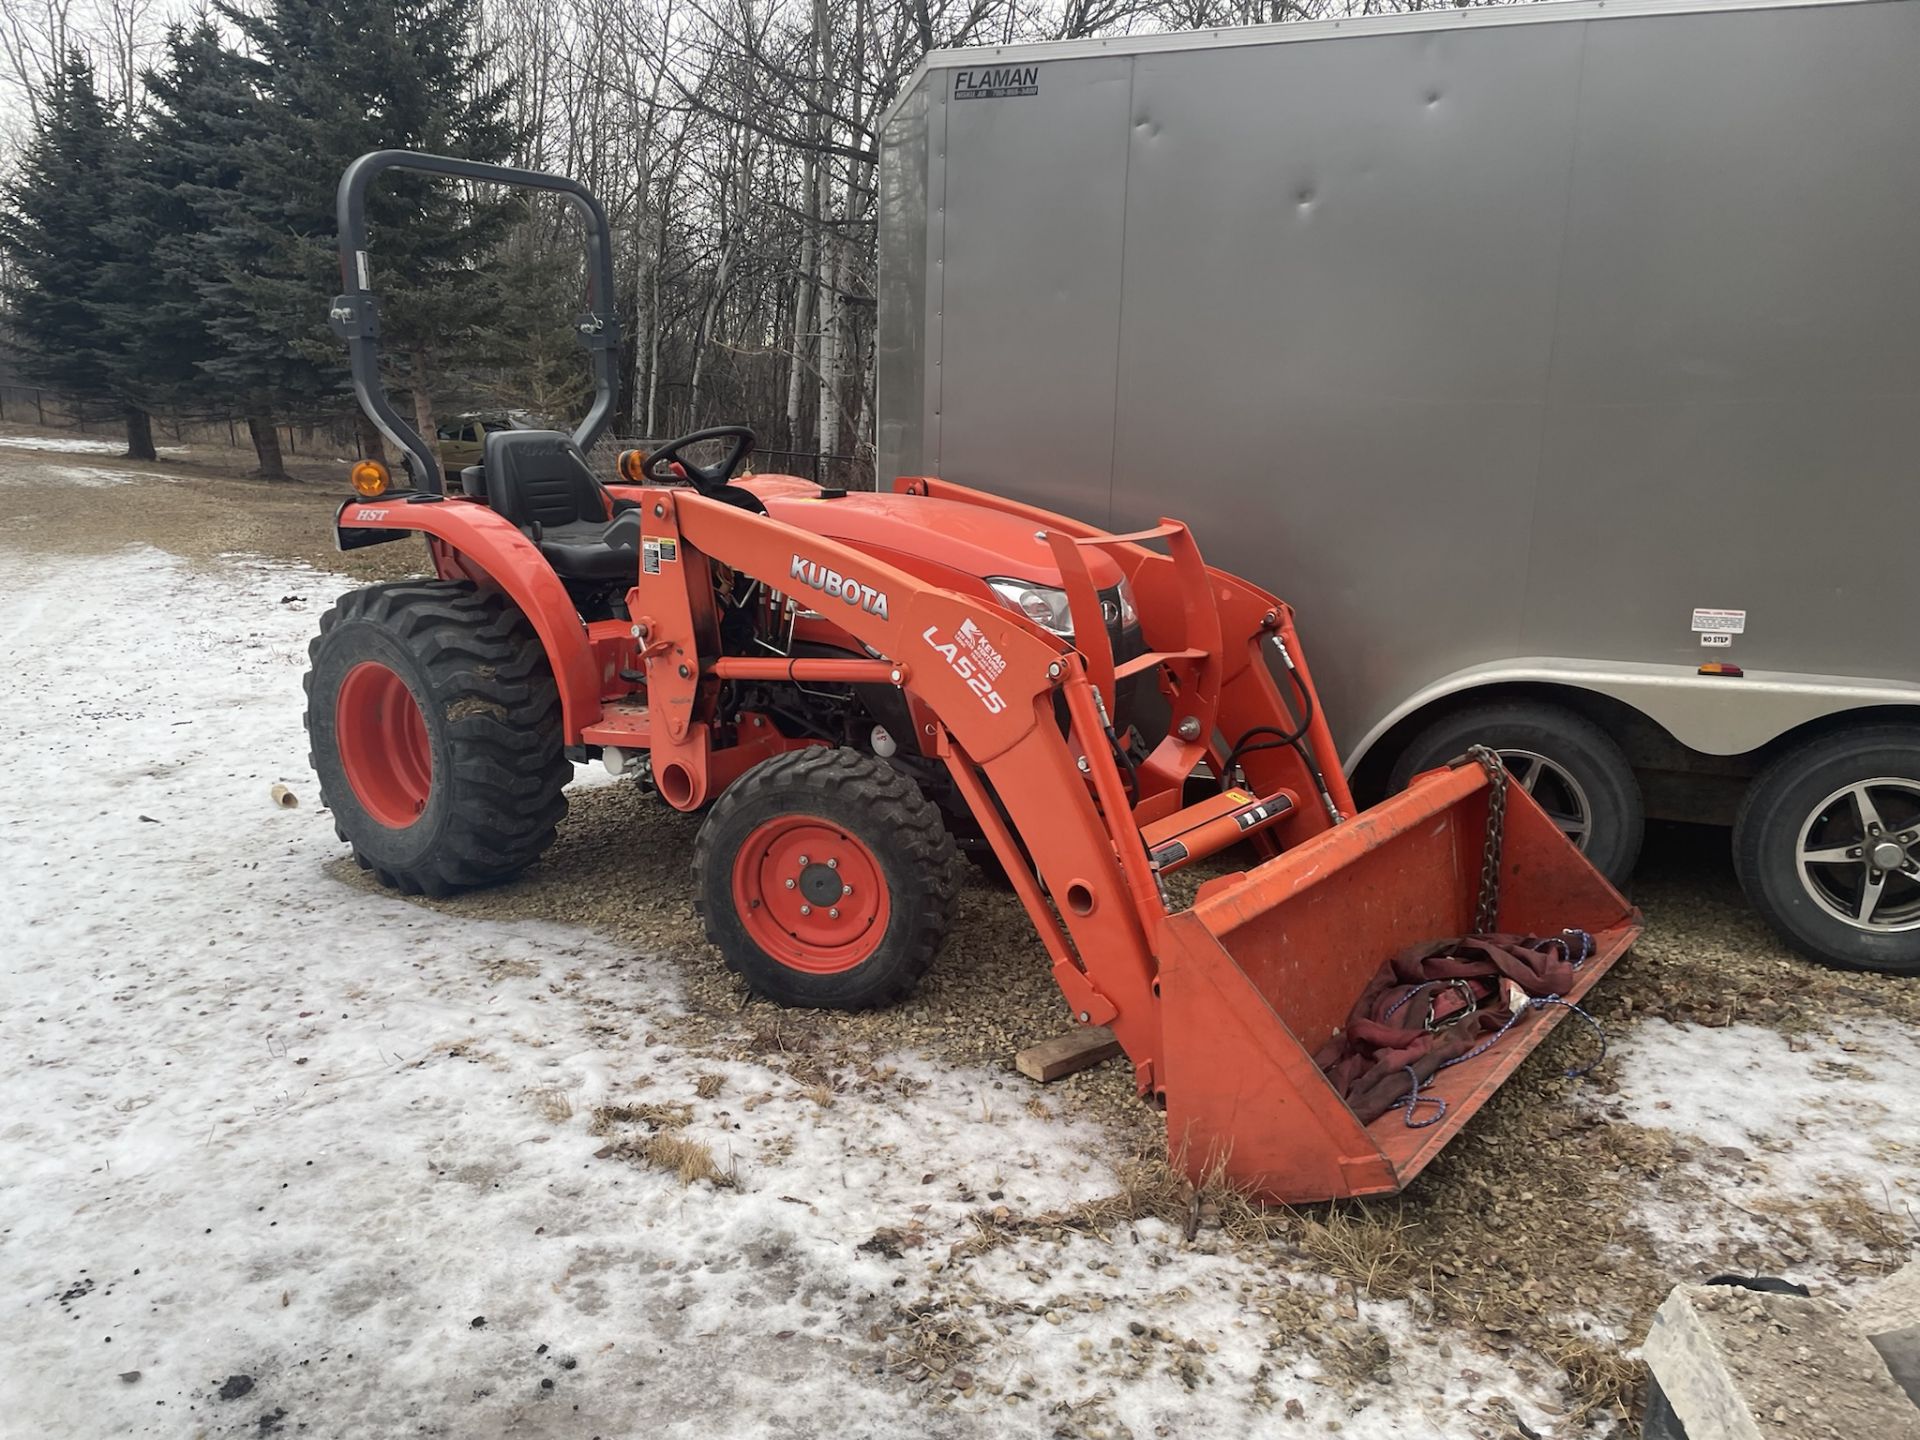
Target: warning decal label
x,y
1733,622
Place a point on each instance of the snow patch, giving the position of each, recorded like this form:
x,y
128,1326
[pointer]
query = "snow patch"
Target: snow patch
x,y
1816,1108
1781,1125
64,444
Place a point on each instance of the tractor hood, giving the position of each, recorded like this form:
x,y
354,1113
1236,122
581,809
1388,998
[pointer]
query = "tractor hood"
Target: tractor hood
x,y
901,529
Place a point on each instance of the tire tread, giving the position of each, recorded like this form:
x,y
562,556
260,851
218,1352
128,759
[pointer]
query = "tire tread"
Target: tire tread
x,y
477,651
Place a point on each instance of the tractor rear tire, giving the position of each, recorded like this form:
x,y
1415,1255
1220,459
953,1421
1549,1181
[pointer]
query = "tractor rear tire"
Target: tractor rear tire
x,y
826,879
436,733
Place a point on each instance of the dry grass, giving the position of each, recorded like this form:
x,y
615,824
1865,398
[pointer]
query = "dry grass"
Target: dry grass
x,y
556,1105
662,1146
1603,1381
929,1340
1150,1189
690,1160
1846,1211
1370,1250
709,1084
654,1115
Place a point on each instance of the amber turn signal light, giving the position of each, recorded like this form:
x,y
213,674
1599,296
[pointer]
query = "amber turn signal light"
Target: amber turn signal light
x,y
633,466
370,478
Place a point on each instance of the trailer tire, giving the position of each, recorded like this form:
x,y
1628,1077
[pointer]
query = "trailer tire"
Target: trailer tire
x,y
1571,766
435,731
1806,802
826,879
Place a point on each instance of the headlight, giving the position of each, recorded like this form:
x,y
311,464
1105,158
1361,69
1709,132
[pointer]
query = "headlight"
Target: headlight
x,y
1041,604
1129,612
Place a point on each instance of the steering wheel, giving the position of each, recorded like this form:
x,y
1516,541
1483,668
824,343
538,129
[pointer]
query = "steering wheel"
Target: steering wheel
x,y
705,478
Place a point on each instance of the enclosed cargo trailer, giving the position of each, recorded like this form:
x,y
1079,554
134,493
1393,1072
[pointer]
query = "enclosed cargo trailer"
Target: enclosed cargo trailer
x,y
1560,363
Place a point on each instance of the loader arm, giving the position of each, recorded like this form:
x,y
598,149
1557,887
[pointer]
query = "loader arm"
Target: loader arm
x,y
1251,621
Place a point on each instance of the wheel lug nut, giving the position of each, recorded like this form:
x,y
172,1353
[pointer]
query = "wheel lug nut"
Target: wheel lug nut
x,y
806,909
846,889
833,864
789,884
835,912
803,862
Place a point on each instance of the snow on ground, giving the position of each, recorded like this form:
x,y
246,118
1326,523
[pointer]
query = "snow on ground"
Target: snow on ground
x,y
64,444
1799,1143
281,1153
91,477
76,445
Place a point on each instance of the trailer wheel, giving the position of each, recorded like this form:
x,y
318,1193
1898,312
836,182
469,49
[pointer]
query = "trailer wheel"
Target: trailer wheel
x,y
1827,847
826,879
1570,766
435,731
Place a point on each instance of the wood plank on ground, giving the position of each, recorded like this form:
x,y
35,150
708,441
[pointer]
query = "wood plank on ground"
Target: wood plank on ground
x,y
1066,1054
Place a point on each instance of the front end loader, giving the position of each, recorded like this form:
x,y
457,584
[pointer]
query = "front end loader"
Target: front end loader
x,y
854,687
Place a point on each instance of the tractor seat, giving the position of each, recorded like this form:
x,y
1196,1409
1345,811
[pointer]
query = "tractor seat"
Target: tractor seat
x,y
539,480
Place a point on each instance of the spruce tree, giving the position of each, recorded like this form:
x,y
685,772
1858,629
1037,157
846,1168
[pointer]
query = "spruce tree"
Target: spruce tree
x,y
330,81
57,227
182,158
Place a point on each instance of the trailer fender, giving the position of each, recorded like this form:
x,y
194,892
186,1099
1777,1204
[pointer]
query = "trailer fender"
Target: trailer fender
x,y
1713,714
472,542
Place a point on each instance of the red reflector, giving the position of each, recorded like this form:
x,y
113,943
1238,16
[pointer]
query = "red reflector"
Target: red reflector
x,y
1720,667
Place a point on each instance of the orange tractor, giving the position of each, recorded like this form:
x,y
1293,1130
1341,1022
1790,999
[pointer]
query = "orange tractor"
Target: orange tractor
x,y
853,687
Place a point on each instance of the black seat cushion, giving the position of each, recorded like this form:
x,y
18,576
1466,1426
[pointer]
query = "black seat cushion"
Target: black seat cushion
x,y
539,477
596,552
539,480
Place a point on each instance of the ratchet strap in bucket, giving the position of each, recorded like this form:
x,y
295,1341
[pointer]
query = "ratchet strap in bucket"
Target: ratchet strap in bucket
x,y
1435,1002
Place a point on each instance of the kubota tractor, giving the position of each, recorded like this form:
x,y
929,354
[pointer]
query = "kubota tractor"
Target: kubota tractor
x,y
851,686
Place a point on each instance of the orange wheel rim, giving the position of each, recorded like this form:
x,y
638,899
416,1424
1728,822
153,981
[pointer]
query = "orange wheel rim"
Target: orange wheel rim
x,y
810,895
383,744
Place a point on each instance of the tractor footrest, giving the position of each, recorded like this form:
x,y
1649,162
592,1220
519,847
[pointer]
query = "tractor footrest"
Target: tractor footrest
x,y
622,723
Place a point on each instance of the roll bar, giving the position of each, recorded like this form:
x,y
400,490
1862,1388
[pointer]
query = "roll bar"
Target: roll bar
x,y
355,316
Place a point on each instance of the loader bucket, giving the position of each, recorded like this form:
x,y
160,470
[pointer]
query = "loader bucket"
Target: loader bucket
x,y
1266,966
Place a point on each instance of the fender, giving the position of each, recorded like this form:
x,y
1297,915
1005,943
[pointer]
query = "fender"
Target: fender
x,y
510,560
1712,715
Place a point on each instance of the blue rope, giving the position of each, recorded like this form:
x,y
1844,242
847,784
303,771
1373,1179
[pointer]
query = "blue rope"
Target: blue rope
x,y
1566,951
1413,1097
1408,994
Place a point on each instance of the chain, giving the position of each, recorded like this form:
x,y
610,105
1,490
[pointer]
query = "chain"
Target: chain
x,y
1486,910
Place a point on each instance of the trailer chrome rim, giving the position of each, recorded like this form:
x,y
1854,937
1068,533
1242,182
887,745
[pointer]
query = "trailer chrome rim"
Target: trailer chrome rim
x,y
810,895
1554,790
384,749
1858,854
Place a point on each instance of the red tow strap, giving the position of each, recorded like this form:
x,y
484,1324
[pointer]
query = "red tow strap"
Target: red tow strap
x,y
1432,1004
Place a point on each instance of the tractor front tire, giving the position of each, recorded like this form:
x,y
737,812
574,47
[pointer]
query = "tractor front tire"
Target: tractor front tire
x,y
826,879
436,734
